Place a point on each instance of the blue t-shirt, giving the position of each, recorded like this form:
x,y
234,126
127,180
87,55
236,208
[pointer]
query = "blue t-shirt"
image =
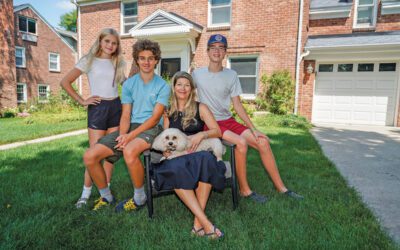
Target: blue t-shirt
x,y
144,97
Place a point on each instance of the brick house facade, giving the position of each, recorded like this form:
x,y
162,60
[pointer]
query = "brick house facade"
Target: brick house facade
x,y
263,37
47,57
260,44
8,88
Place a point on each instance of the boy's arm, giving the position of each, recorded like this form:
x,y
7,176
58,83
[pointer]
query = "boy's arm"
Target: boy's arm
x,y
123,140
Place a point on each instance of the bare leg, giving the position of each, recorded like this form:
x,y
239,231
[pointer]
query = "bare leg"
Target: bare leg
x,y
92,159
202,193
189,198
132,153
267,158
241,156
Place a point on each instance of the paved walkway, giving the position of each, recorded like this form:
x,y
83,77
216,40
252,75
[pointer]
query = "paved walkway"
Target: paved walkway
x,y
44,139
369,159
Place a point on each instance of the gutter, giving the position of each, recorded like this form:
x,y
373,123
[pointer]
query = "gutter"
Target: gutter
x,y
79,41
299,57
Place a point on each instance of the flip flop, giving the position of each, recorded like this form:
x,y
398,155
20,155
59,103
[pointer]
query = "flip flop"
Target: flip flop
x,y
214,235
197,232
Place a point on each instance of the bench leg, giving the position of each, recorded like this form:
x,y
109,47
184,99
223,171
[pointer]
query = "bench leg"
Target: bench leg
x,y
149,190
235,198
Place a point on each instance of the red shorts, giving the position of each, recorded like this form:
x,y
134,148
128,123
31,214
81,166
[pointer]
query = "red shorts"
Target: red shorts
x,y
230,124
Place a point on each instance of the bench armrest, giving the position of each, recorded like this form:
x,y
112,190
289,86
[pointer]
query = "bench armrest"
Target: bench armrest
x,y
228,144
146,152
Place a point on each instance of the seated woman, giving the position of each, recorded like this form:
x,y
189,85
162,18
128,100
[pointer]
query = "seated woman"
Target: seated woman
x,y
192,176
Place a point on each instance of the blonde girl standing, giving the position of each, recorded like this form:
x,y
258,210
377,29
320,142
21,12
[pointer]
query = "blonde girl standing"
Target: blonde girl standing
x,y
104,67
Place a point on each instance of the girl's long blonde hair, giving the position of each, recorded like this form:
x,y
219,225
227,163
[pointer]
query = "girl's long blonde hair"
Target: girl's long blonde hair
x,y
190,109
117,58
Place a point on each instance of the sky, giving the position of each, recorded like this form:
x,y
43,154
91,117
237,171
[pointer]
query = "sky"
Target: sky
x,y
51,10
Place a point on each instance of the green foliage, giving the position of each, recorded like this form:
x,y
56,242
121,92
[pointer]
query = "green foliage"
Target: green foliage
x,y
9,112
277,93
68,21
286,121
249,107
261,98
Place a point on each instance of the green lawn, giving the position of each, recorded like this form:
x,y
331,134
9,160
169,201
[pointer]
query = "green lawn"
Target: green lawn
x,y
40,183
40,125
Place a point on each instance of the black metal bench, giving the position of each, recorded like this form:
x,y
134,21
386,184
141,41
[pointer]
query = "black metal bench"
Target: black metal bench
x,y
230,180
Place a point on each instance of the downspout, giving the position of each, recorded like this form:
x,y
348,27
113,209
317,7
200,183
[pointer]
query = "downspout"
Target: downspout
x,y
299,57
79,40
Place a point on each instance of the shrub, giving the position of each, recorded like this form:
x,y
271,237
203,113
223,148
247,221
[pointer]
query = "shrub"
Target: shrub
x,y
9,112
249,107
277,93
261,98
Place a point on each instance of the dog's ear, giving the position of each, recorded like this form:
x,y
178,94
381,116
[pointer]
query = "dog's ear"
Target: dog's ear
x,y
158,143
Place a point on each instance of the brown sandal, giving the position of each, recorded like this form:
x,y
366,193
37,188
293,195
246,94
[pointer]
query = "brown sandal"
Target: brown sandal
x,y
197,232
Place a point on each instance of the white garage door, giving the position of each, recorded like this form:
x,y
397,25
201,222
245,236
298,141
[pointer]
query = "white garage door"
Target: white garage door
x,y
356,93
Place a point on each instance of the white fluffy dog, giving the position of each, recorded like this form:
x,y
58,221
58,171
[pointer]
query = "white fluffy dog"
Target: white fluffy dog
x,y
176,142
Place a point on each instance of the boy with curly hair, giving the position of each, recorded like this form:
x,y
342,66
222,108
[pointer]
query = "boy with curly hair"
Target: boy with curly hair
x,y
144,98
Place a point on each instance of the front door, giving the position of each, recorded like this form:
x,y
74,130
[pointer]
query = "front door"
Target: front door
x,y
169,66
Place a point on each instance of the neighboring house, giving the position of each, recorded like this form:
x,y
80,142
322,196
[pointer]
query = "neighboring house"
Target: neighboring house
x,y
351,49
8,85
70,37
42,57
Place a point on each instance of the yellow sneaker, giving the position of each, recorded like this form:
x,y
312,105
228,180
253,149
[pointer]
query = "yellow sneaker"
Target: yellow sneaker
x,y
128,205
101,203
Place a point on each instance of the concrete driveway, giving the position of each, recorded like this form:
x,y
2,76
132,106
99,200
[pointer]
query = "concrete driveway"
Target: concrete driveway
x,y
368,157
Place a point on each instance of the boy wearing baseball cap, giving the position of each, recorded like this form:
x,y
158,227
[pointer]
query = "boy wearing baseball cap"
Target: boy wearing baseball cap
x,y
218,87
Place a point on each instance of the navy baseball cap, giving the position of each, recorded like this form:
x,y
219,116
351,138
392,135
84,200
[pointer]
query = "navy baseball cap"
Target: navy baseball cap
x,y
217,38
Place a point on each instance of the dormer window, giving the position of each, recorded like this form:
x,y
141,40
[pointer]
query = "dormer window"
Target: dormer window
x,y
27,25
365,16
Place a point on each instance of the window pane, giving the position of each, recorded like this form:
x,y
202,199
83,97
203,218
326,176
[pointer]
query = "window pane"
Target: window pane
x,y
170,66
365,15
345,68
130,19
43,93
22,23
325,68
53,65
53,58
366,67
220,2
32,26
221,15
19,61
248,84
18,52
244,66
130,9
387,67
127,27
20,93
361,2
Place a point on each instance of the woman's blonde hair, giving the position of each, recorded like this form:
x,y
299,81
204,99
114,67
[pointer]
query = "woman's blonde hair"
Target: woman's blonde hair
x,y
190,109
116,58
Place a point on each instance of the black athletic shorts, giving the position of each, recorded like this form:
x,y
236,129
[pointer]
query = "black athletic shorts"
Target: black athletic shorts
x,y
105,115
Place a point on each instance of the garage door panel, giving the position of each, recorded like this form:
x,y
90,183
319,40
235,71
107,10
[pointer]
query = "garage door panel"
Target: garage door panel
x,y
385,85
355,97
365,84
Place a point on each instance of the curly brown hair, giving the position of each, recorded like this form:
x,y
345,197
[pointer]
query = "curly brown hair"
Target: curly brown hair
x,y
146,44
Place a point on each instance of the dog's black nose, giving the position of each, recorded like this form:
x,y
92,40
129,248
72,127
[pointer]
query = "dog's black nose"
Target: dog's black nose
x,y
170,143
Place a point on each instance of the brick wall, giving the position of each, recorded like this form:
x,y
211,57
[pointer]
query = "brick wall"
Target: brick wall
x,y
37,57
270,31
345,25
8,86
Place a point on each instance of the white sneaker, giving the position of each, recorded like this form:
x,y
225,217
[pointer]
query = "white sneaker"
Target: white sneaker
x,y
81,202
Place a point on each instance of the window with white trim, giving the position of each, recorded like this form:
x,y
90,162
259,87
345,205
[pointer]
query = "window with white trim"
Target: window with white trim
x,y
54,62
129,15
43,93
246,68
20,59
21,93
219,13
365,16
26,24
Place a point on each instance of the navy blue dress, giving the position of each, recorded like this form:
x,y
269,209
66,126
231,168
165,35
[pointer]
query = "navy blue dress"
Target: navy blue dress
x,y
184,172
